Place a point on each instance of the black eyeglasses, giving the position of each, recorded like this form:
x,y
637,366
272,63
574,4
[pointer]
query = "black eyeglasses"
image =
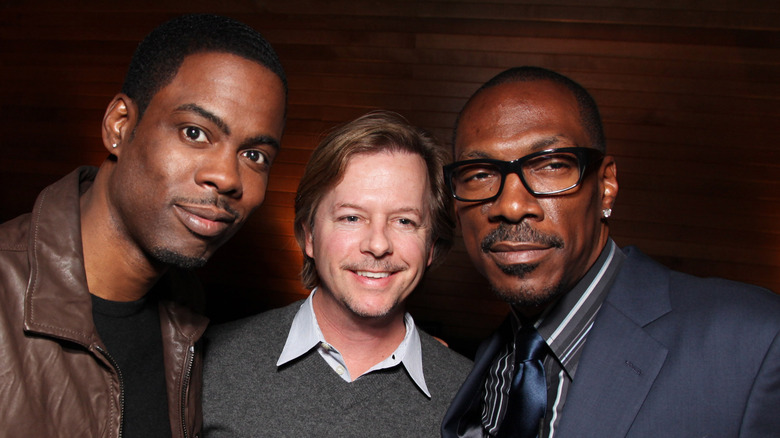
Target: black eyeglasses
x,y
548,172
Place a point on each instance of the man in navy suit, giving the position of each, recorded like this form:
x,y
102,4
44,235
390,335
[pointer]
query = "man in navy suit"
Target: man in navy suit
x,y
622,345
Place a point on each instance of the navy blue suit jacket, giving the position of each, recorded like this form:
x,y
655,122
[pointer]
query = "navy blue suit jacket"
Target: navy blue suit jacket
x,y
669,355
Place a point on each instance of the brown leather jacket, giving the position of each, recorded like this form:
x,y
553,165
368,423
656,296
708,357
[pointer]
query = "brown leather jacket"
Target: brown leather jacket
x,y
56,379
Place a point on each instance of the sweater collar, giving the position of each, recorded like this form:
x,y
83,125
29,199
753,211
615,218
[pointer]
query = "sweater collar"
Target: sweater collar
x,y
305,334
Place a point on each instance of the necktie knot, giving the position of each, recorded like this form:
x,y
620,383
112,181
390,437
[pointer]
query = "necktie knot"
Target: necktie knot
x,y
529,345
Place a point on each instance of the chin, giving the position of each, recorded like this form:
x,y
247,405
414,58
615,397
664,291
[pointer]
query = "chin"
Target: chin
x,y
178,259
370,311
527,295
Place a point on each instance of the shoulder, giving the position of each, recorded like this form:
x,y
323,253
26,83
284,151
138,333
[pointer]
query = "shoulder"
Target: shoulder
x,y
15,271
690,293
438,358
716,302
256,331
14,234
444,370
679,307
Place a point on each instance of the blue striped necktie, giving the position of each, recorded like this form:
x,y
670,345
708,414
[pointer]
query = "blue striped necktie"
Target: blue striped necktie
x,y
528,396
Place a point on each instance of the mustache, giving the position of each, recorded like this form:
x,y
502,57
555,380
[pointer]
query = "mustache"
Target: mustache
x,y
373,265
216,201
521,232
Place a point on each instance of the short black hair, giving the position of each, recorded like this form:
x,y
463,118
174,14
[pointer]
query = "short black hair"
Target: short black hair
x,y
159,56
589,111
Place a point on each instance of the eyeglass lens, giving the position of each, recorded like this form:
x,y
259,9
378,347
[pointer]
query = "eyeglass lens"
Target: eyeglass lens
x,y
544,174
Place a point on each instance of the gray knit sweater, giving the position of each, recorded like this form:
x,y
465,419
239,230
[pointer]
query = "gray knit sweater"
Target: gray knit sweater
x,y
247,395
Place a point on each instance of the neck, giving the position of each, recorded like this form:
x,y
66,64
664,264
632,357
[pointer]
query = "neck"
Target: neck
x,y
116,268
362,341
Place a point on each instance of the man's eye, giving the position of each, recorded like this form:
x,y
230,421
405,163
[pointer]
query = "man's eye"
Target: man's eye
x,y
476,174
404,221
256,156
195,134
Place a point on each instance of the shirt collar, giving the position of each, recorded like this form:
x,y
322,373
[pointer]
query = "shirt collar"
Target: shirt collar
x,y
408,353
305,334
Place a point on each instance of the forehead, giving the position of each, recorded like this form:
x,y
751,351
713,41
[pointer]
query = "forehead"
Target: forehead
x,y
518,118
384,168
383,177
211,64
225,79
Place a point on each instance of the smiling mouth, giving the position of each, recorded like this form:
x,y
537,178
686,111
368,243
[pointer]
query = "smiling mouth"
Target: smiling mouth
x,y
370,274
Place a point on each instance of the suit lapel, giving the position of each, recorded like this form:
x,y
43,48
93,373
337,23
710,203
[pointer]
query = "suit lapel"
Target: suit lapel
x,y
620,360
612,381
463,418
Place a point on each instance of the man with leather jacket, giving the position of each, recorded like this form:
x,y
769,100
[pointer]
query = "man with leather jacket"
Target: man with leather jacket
x,y
93,339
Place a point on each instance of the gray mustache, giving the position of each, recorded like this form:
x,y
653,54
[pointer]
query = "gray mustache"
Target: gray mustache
x,y
519,233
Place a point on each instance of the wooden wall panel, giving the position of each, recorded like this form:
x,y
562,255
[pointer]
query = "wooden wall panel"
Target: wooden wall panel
x,y
689,92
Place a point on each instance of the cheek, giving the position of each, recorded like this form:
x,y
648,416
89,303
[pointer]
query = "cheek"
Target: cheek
x,y
470,216
255,186
564,214
151,186
331,245
576,224
418,248
160,166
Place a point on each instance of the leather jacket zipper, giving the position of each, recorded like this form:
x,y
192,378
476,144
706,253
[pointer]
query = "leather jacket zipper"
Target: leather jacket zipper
x,y
185,385
121,387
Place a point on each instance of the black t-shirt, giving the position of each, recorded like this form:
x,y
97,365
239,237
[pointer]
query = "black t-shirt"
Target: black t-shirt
x,y
131,333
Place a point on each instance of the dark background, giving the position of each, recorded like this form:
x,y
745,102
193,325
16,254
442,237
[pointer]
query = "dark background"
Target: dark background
x,y
689,91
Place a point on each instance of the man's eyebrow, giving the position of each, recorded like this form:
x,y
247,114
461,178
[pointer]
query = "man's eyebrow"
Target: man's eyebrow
x,y
206,114
262,140
545,143
473,155
413,210
538,145
349,205
254,141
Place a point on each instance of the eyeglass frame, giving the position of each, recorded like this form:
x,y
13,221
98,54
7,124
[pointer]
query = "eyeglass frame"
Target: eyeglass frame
x,y
585,158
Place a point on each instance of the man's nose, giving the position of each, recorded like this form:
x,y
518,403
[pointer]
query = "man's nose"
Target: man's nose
x,y
515,203
220,170
377,241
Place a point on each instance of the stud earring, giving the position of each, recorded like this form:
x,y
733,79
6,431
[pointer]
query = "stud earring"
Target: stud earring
x,y
605,213
114,145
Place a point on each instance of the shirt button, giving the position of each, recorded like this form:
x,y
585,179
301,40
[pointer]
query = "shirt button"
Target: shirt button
x,y
325,346
340,370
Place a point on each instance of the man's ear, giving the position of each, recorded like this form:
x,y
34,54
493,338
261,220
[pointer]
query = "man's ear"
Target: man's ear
x,y
608,182
309,241
118,122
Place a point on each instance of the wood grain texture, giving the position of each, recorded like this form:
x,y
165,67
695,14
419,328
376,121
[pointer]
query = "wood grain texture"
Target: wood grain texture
x,y
689,92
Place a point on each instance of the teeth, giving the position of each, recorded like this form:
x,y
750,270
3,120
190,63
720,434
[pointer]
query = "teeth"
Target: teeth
x,y
373,274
